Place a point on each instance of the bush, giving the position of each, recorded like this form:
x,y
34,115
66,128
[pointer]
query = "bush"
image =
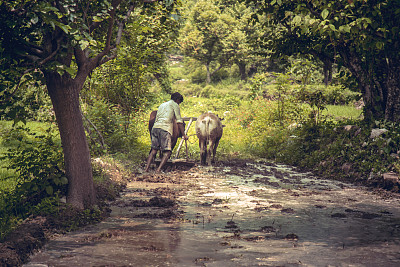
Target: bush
x,y
107,128
38,161
31,102
207,91
327,148
198,76
337,95
220,75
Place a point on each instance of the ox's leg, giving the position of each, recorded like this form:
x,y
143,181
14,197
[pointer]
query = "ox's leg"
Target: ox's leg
x,y
215,149
203,151
209,151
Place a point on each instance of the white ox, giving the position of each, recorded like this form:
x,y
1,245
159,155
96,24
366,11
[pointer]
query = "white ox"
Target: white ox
x,y
209,131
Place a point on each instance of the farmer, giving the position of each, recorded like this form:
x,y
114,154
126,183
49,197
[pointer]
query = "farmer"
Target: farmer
x,y
162,131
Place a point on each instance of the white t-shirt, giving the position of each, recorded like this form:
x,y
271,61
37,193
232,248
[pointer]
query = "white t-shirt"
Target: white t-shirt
x,y
166,114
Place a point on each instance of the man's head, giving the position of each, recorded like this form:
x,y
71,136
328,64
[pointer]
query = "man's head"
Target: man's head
x,y
177,97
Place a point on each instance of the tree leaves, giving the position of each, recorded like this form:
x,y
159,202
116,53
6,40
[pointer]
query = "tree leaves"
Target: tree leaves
x,y
362,34
325,13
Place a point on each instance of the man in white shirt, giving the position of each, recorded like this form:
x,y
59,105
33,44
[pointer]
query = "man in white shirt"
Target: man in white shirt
x,y
163,129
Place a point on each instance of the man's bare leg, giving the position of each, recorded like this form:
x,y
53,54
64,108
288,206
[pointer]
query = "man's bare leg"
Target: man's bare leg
x,y
166,155
150,159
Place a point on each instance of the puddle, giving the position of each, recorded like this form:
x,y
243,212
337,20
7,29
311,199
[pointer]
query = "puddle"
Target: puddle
x,y
256,214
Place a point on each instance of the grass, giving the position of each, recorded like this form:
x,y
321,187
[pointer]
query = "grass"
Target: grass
x,y
339,112
8,179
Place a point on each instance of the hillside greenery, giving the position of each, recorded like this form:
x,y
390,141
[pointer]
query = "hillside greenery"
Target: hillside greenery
x,y
268,117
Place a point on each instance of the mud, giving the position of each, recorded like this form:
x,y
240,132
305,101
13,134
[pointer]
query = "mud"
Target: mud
x,y
236,214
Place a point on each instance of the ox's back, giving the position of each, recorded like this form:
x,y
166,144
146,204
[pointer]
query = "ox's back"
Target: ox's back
x,y
209,130
208,126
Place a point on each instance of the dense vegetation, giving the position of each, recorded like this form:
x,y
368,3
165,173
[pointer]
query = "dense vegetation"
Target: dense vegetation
x,y
301,106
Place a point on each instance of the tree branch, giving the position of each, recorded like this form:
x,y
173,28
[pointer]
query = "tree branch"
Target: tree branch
x,y
110,28
33,49
48,58
95,128
121,25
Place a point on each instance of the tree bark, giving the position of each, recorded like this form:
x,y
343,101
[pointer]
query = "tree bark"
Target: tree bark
x,y
242,70
327,71
208,81
392,112
64,94
373,96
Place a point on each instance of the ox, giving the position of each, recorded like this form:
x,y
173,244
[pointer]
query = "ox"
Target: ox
x,y
209,131
176,133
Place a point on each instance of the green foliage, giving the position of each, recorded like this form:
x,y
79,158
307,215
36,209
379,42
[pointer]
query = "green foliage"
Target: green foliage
x,y
358,35
217,35
317,102
8,219
29,103
66,218
327,147
20,200
126,80
108,129
287,102
305,71
199,76
38,160
257,84
25,99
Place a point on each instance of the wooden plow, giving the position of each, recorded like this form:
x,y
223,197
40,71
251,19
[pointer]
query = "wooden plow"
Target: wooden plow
x,y
186,161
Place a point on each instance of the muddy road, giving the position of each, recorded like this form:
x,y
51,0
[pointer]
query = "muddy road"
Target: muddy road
x,y
236,214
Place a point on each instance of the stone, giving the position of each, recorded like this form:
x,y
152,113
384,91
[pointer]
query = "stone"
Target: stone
x,y
377,132
390,177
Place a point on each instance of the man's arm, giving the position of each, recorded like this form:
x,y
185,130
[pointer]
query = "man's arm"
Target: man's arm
x,y
182,130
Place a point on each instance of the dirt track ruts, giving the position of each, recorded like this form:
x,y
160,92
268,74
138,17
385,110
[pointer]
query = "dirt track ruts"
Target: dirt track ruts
x,y
236,214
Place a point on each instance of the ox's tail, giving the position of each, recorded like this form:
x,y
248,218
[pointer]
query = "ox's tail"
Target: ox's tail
x,y
206,121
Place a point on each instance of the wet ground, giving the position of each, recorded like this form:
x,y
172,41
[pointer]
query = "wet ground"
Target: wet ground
x,y
238,214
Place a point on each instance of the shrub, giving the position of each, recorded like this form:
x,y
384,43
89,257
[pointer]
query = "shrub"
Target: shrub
x,y
336,95
198,76
220,75
108,129
207,91
38,161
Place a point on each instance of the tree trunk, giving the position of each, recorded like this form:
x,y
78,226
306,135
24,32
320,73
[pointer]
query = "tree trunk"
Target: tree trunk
x,y
327,71
242,70
373,96
64,94
392,112
208,81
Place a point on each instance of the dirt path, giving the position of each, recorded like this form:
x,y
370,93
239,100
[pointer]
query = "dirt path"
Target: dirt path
x,y
246,214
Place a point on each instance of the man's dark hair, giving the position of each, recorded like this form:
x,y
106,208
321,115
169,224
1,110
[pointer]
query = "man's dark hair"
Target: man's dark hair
x,y
177,97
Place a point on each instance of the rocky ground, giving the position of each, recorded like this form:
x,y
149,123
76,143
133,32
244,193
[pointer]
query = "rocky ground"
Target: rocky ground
x,y
239,213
